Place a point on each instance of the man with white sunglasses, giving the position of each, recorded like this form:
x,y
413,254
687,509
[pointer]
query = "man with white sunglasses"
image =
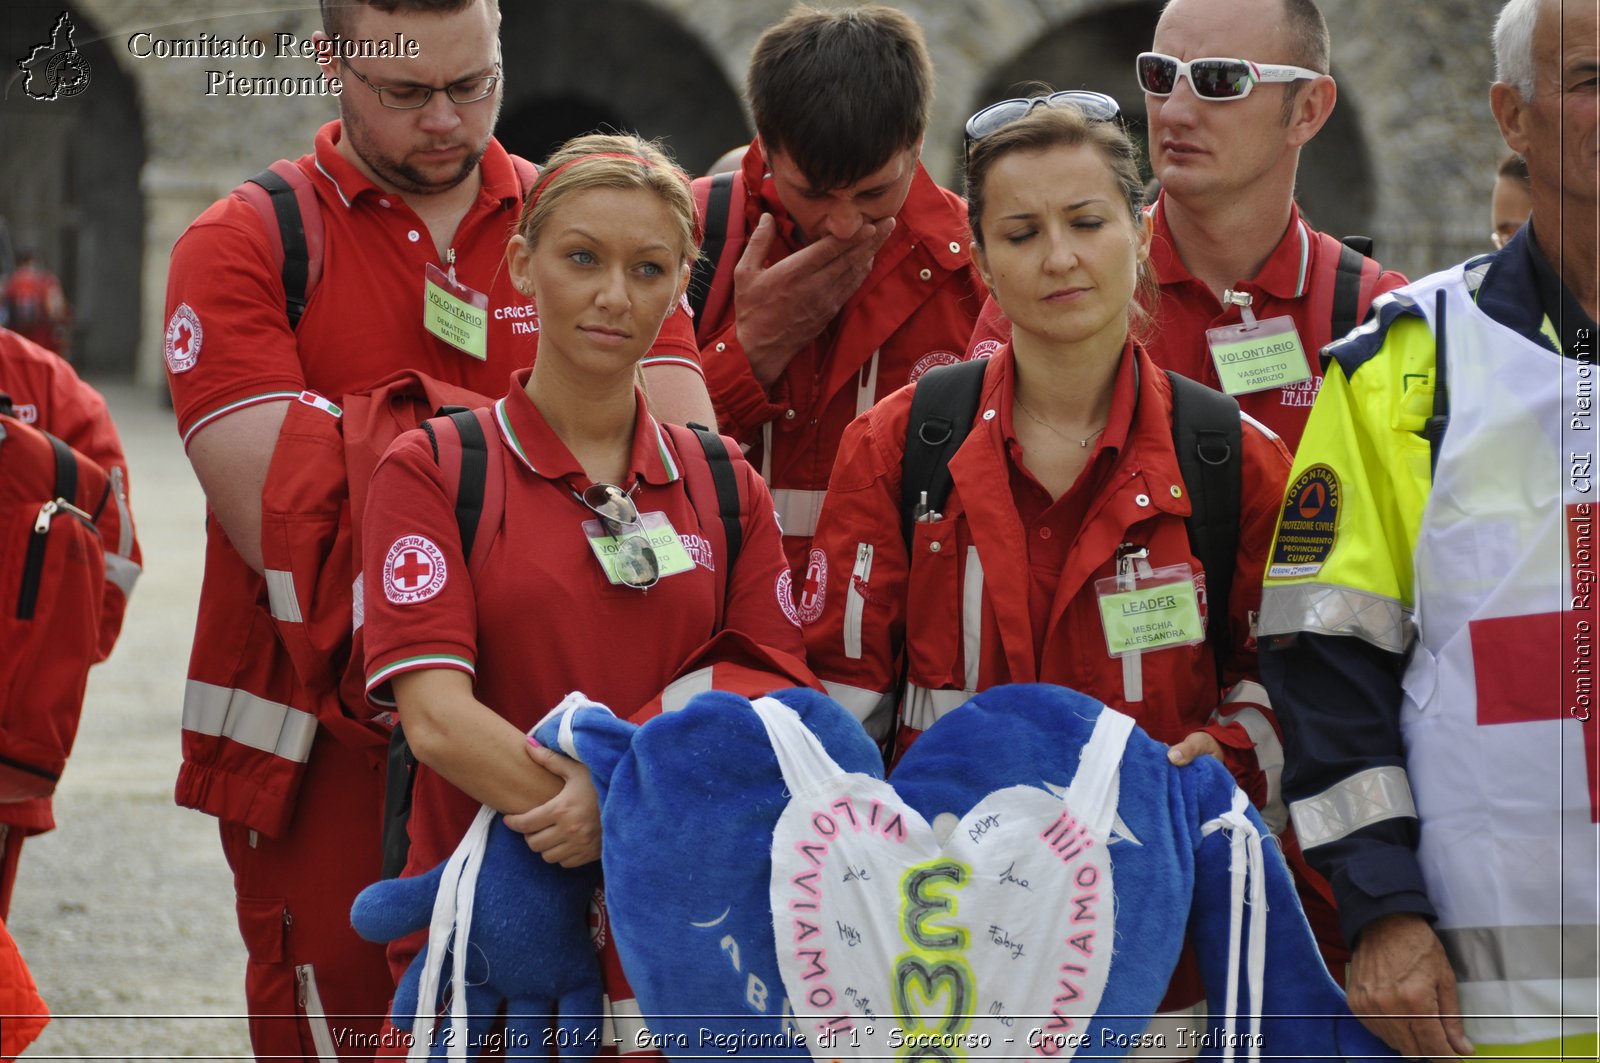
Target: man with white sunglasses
x,y
1233,90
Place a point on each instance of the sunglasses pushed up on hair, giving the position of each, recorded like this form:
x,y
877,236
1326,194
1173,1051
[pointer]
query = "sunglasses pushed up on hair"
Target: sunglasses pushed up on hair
x,y
995,117
1213,78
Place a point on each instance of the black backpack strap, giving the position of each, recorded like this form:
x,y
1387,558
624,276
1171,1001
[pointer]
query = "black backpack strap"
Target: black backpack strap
x,y
1353,251
943,405
66,469
1207,438
292,232
401,774
474,473
715,239
727,485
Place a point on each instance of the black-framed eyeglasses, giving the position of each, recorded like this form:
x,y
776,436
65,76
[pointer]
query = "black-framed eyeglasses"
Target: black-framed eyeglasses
x,y
995,117
411,97
636,562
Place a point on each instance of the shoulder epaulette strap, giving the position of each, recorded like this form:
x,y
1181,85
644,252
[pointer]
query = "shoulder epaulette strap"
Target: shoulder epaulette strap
x,y
1207,439
719,201
726,483
943,404
1347,284
288,207
1356,349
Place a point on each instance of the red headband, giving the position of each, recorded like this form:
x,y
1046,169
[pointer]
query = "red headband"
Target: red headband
x,y
545,180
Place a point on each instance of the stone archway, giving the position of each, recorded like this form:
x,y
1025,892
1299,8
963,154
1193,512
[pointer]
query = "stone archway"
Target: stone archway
x,y
625,64
69,181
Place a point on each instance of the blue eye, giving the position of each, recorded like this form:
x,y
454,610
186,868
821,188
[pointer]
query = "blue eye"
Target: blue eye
x,y
651,269
582,258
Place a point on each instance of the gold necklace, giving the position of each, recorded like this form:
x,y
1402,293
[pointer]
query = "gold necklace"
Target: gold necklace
x,y
1084,442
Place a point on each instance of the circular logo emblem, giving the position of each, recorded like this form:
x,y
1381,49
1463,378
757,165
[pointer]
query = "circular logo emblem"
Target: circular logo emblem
x,y
413,571
930,361
986,348
806,607
183,339
597,919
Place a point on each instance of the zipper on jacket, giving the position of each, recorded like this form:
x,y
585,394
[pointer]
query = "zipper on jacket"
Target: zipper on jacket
x,y
855,601
310,1000
33,560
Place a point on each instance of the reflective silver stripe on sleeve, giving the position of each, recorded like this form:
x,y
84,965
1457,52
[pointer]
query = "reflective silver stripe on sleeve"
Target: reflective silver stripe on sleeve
x,y
798,510
868,706
680,690
358,602
281,598
122,572
926,707
1269,750
1365,798
1326,609
972,618
1521,953
242,717
119,491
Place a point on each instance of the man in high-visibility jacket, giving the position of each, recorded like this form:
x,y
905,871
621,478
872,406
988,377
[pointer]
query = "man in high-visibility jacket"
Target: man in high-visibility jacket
x,y
1429,620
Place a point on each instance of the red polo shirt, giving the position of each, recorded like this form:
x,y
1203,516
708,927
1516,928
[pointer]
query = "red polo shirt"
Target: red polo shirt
x,y
228,343
540,619
1297,280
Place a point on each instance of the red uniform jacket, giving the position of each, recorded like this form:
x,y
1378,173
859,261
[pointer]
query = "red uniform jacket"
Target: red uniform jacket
x,y
914,311
960,617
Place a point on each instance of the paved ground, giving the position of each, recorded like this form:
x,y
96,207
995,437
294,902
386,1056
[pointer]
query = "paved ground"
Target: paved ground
x,y
125,911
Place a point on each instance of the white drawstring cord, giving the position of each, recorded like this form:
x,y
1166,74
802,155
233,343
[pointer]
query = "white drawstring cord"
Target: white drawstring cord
x,y
1247,868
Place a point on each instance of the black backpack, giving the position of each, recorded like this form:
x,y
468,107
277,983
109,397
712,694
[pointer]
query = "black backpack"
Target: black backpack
x,y
1205,434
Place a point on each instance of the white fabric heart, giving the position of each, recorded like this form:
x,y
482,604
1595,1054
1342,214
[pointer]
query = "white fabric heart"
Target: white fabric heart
x,y
997,942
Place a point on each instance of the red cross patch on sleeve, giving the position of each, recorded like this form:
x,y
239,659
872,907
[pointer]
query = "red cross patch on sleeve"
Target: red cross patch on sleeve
x,y
413,571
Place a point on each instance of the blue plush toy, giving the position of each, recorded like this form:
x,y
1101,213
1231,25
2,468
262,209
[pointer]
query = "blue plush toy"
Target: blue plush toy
x,y
529,951
1022,890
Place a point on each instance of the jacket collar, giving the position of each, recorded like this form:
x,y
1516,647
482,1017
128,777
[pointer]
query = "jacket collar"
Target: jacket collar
x,y
1523,291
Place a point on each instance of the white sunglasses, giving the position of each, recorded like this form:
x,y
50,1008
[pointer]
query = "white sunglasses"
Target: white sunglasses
x,y
1212,79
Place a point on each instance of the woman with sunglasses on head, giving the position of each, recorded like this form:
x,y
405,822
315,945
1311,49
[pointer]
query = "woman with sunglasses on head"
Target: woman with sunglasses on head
x,y
607,571
1067,500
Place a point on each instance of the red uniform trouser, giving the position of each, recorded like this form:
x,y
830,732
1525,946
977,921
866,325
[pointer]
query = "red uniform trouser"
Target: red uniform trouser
x,y
313,987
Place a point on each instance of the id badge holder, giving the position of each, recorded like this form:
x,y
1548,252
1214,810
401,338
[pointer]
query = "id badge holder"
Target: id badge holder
x,y
1257,355
620,555
1149,609
455,312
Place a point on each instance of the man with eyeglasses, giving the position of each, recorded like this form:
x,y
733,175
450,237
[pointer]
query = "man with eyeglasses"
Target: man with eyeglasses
x,y
1428,625
416,200
1233,90
844,271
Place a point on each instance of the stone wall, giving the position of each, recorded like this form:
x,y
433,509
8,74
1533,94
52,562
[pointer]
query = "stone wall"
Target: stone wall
x,y
1407,158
